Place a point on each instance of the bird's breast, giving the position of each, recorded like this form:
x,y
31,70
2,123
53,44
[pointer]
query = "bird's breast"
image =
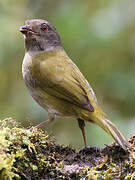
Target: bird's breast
x,y
27,71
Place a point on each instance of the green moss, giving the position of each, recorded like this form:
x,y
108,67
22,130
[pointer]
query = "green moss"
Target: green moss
x,y
33,154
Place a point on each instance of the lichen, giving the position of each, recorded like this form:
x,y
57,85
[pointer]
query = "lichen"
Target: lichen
x,y
33,154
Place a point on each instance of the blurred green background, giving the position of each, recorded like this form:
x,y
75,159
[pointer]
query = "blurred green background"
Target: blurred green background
x,y
99,36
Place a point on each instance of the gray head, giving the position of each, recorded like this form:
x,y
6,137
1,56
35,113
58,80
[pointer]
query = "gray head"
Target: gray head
x,y
40,35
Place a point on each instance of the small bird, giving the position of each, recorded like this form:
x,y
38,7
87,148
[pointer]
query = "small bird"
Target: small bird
x,y
57,84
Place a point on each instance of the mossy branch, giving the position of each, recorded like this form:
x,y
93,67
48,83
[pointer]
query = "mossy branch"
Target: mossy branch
x,y
32,154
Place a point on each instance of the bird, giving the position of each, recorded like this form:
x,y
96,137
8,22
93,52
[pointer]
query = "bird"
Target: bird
x,y
57,84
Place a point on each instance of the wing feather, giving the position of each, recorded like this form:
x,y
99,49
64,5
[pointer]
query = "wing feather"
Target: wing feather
x,y
61,78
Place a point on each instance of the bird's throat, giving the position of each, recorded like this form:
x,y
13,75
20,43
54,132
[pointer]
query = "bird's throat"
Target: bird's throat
x,y
34,46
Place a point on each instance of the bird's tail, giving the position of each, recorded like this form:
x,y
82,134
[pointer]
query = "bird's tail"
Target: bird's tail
x,y
100,119
111,129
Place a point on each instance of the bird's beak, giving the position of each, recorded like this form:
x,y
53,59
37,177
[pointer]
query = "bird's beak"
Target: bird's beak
x,y
26,29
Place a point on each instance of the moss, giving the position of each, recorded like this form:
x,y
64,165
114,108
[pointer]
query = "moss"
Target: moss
x,y
33,154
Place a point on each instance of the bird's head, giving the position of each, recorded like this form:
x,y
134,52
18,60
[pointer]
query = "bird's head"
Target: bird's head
x,y
40,35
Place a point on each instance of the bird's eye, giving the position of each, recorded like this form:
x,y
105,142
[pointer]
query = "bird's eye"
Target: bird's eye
x,y
44,27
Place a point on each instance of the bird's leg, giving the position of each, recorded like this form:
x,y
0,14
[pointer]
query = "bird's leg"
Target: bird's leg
x,y
81,126
51,117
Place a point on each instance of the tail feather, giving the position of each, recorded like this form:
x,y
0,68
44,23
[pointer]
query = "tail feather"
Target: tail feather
x,y
111,129
99,117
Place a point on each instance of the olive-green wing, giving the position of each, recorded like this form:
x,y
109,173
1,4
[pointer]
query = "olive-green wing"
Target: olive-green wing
x,y
62,79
